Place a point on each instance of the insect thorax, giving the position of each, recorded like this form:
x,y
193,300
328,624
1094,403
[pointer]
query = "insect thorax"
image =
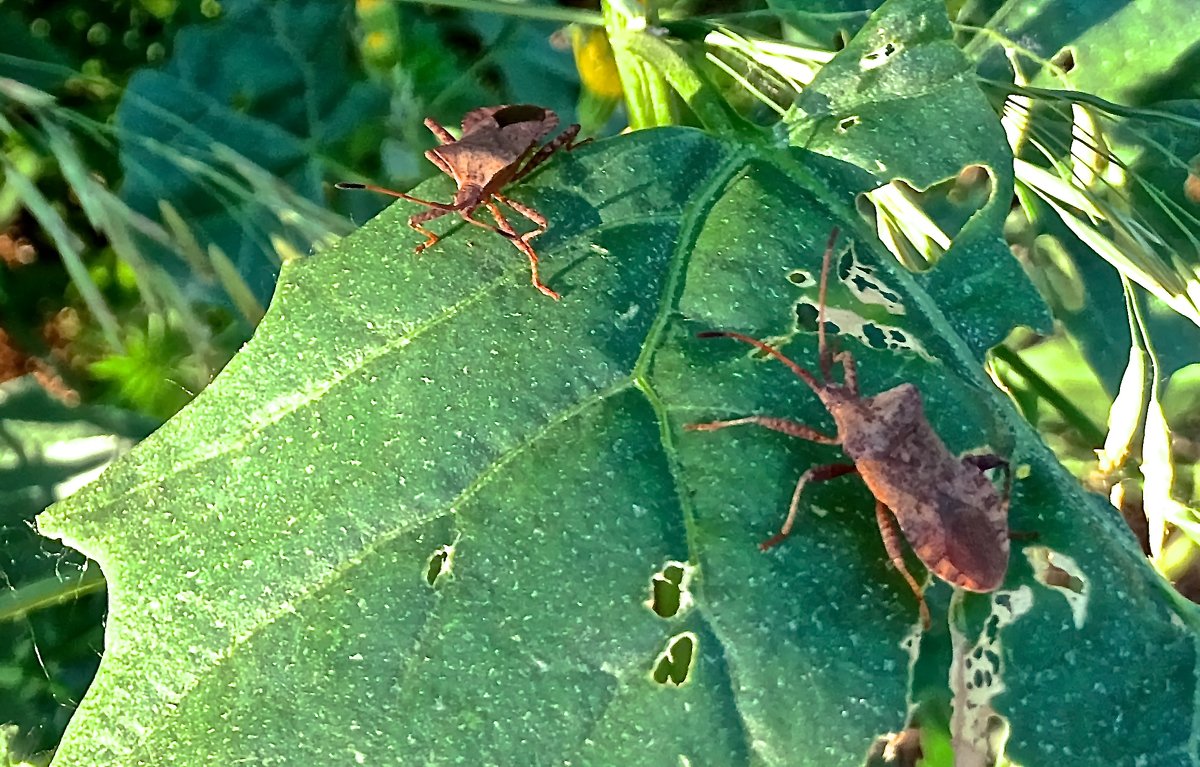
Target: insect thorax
x,y
876,426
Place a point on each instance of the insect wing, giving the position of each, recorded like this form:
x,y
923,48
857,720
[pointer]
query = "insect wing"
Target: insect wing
x,y
495,118
976,549
955,520
483,160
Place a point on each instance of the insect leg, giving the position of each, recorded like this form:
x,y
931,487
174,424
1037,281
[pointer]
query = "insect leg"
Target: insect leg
x,y
791,428
441,164
523,246
561,141
800,372
849,371
504,229
824,355
891,543
537,218
443,136
420,218
814,474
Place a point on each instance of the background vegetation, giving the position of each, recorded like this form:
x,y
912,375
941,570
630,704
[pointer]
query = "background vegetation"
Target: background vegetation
x,y
161,162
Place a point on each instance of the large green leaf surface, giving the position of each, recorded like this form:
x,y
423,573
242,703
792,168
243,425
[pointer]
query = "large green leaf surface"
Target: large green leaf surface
x,y
268,551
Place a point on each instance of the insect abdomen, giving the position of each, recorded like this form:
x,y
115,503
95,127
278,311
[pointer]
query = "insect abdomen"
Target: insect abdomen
x,y
950,512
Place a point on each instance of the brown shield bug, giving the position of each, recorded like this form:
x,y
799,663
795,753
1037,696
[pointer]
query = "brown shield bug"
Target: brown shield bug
x,y
499,145
947,508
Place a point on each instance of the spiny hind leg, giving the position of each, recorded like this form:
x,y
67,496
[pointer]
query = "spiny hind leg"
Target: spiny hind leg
x,y
564,140
890,532
524,247
443,136
415,222
538,219
504,229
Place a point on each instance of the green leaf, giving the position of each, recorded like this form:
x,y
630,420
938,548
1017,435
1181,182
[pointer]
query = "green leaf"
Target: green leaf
x,y
403,419
539,73
1120,49
902,102
29,59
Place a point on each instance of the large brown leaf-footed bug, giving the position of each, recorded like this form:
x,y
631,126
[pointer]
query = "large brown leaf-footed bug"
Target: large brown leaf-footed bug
x,y
499,145
946,507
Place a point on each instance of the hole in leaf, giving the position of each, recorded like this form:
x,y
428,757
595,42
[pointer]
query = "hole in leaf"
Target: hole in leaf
x,y
1059,578
846,123
896,749
806,317
1064,59
977,676
867,286
674,663
1061,573
875,337
669,594
801,279
439,564
879,56
919,225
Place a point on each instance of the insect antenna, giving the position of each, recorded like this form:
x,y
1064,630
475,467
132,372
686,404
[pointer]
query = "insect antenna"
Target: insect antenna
x,y
800,372
394,193
824,355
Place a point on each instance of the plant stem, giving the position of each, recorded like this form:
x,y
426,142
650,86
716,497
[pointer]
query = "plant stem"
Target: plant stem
x,y
538,12
1090,432
48,592
682,77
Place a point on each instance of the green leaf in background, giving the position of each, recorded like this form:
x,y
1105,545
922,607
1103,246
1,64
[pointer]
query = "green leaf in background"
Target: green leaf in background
x,y
49,450
824,7
419,519
27,59
1109,40
541,74
280,102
